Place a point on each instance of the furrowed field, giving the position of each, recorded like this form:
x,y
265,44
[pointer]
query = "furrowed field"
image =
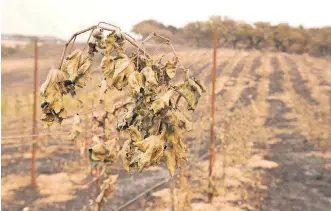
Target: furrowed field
x,y
272,138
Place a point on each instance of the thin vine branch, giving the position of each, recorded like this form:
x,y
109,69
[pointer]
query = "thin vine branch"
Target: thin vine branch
x,y
73,37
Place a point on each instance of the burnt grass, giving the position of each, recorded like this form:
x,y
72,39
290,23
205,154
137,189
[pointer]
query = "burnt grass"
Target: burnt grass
x,y
299,85
276,78
196,73
52,164
238,69
317,73
300,182
277,110
234,74
289,185
255,66
249,93
128,185
219,70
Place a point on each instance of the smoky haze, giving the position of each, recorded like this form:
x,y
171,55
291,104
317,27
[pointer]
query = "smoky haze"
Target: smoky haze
x,y
61,18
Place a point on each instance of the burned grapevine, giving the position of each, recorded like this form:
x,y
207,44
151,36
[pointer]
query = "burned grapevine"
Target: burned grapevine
x,y
153,120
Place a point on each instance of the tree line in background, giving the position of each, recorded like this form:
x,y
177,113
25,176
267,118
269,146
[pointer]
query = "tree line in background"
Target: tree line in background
x,y
239,35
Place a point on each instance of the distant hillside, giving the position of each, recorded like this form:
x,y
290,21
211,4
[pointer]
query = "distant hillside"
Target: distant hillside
x,y
19,41
22,45
240,35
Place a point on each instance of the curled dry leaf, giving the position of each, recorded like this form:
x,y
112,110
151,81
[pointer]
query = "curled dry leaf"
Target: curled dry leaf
x,y
175,152
107,64
126,154
136,83
135,134
115,41
150,151
170,160
149,75
122,69
108,126
126,120
191,90
99,38
170,67
178,121
107,67
117,70
78,67
110,42
76,128
103,89
162,102
120,39
54,82
104,151
112,146
51,92
178,147
98,152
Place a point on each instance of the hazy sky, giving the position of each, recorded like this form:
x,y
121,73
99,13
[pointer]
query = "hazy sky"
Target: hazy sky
x,y
62,18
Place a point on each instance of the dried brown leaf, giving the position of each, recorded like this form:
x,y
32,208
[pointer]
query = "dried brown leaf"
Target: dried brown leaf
x,y
151,151
51,92
191,90
122,69
78,67
99,38
136,83
149,75
177,146
170,160
170,67
103,151
103,89
126,155
135,134
125,120
76,128
178,121
162,102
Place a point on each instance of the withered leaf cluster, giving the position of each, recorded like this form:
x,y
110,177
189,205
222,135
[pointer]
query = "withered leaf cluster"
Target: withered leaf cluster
x,y
75,72
103,151
153,120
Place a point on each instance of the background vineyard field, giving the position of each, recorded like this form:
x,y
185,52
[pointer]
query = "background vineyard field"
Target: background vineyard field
x,y
272,136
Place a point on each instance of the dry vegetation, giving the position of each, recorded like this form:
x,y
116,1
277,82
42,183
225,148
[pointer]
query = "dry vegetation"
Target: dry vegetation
x,y
234,34
272,124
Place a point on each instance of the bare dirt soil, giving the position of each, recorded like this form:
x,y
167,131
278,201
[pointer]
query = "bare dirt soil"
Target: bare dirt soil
x,y
273,155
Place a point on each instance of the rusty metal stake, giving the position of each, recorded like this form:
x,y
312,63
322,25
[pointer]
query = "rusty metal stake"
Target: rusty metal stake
x,y
212,112
34,116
